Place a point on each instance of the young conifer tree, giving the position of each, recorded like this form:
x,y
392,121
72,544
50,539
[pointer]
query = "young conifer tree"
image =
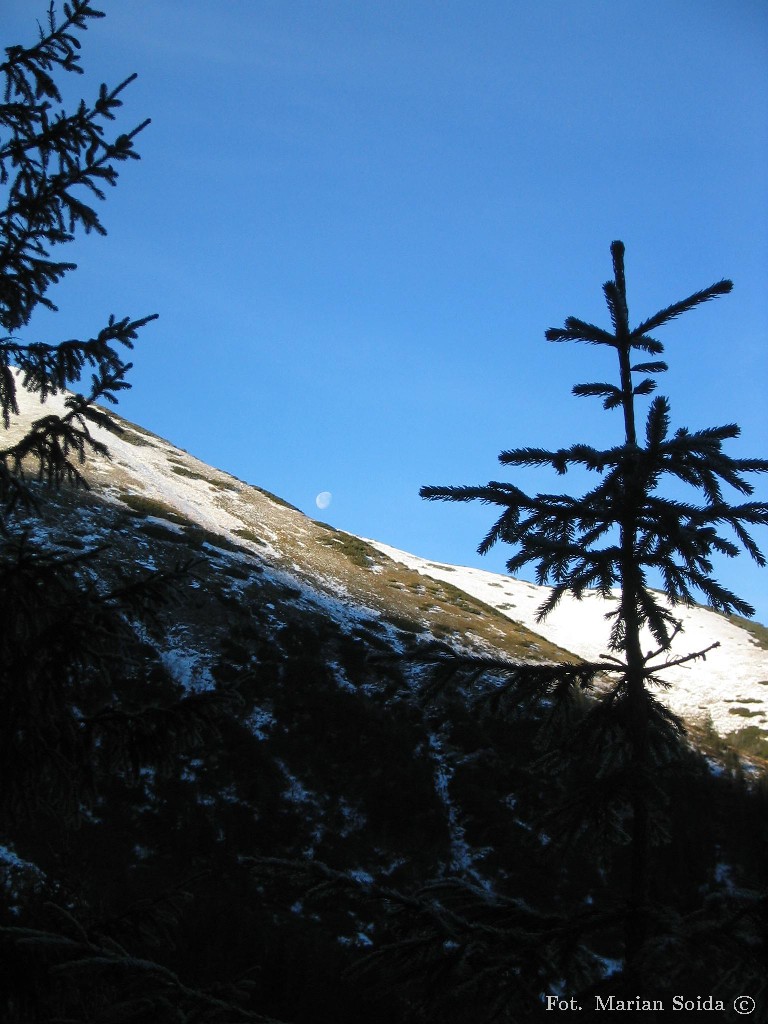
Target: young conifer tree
x,y
626,533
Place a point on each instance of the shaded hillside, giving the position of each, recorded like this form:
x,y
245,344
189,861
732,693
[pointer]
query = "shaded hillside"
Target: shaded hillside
x,y
328,812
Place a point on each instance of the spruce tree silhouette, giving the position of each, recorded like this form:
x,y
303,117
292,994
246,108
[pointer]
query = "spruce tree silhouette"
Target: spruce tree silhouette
x,y
75,674
51,162
626,534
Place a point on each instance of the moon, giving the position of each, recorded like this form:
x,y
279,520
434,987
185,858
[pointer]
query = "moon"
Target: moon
x,y
324,499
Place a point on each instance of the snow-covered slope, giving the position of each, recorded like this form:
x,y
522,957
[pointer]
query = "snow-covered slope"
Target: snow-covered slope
x,y
732,680
353,579
180,500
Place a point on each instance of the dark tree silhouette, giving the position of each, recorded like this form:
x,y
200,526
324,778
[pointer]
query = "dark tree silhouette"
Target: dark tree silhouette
x,y
53,164
59,630
625,533
84,700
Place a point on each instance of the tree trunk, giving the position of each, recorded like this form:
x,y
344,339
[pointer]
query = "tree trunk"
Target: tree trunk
x,y
636,925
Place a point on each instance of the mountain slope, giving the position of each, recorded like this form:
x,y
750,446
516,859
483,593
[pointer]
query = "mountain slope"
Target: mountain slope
x,y
339,803
730,686
179,501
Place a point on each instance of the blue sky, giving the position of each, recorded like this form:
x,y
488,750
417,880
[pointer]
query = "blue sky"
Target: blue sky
x,y
357,219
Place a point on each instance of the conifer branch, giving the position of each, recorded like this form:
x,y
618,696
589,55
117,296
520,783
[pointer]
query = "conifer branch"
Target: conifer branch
x,y
700,655
678,308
